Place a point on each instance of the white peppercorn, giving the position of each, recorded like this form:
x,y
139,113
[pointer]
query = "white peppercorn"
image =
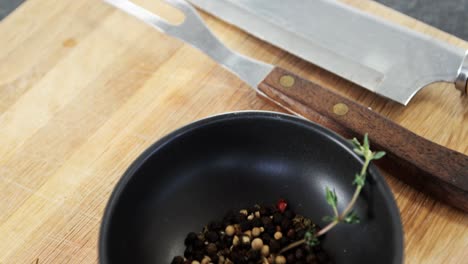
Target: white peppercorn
x,y
280,260
230,230
257,244
278,235
256,231
265,250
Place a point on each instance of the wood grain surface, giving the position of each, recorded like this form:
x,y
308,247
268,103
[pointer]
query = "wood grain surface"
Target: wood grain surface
x,y
84,89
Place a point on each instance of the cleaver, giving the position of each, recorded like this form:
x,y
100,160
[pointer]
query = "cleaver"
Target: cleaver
x,y
435,169
385,58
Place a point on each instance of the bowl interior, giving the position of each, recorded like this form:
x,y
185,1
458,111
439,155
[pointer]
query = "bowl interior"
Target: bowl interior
x,y
199,172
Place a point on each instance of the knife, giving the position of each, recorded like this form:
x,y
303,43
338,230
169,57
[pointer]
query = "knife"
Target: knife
x,y
437,170
385,58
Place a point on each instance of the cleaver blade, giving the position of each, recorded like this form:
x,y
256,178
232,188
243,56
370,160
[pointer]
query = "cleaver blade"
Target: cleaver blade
x,y
385,58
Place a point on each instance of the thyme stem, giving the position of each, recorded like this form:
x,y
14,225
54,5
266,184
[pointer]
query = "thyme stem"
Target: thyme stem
x,y
347,215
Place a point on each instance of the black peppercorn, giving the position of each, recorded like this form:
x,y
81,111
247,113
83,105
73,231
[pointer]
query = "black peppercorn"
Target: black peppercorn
x,y
212,236
237,257
291,234
215,226
265,238
198,255
300,234
256,222
245,225
253,209
285,225
220,243
263,211
191,237
233,218
289,214
270,229
177,260
226,252
188,252
277,218
214,258
271,209
322,257
311,258
198,244
211,249
240,217
284,241
228,241
299,253
229,217
290,258
266,220
253,255
274,246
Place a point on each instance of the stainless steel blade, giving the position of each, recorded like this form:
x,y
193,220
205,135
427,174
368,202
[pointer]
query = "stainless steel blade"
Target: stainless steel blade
x,y
385,58
194,32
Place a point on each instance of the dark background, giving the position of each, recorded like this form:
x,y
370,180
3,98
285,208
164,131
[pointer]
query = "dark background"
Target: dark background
x,y
448,15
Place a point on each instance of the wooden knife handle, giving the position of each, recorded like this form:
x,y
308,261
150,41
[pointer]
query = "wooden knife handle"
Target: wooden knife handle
x,y
427,166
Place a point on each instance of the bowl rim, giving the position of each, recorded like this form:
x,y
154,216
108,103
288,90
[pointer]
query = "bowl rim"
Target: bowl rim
x,y
222,117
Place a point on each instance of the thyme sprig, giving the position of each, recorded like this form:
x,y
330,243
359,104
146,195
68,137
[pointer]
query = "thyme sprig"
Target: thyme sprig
x,y
348,216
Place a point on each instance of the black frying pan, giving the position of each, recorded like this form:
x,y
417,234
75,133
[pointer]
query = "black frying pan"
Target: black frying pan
x,y
235,160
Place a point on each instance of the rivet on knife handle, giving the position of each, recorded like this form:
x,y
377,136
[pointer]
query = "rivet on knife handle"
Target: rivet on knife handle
x,y
435,169
340,109
287,81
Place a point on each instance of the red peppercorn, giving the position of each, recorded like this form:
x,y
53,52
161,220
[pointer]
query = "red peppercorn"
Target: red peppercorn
x,y
282,205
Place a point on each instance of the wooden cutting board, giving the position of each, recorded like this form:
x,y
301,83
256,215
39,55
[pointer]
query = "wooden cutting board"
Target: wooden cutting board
x,y
84,89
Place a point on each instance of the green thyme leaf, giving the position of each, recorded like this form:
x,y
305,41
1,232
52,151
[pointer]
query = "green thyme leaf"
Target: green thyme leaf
x,y
359,180
378,155
366,144
331,197
311,238
351,218
356,143
328,218
358,151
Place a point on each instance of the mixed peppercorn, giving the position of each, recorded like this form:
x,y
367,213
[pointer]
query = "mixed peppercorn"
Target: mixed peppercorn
x,y
254,235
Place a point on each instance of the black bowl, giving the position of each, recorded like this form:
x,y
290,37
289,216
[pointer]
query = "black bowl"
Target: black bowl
x,y
234,160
